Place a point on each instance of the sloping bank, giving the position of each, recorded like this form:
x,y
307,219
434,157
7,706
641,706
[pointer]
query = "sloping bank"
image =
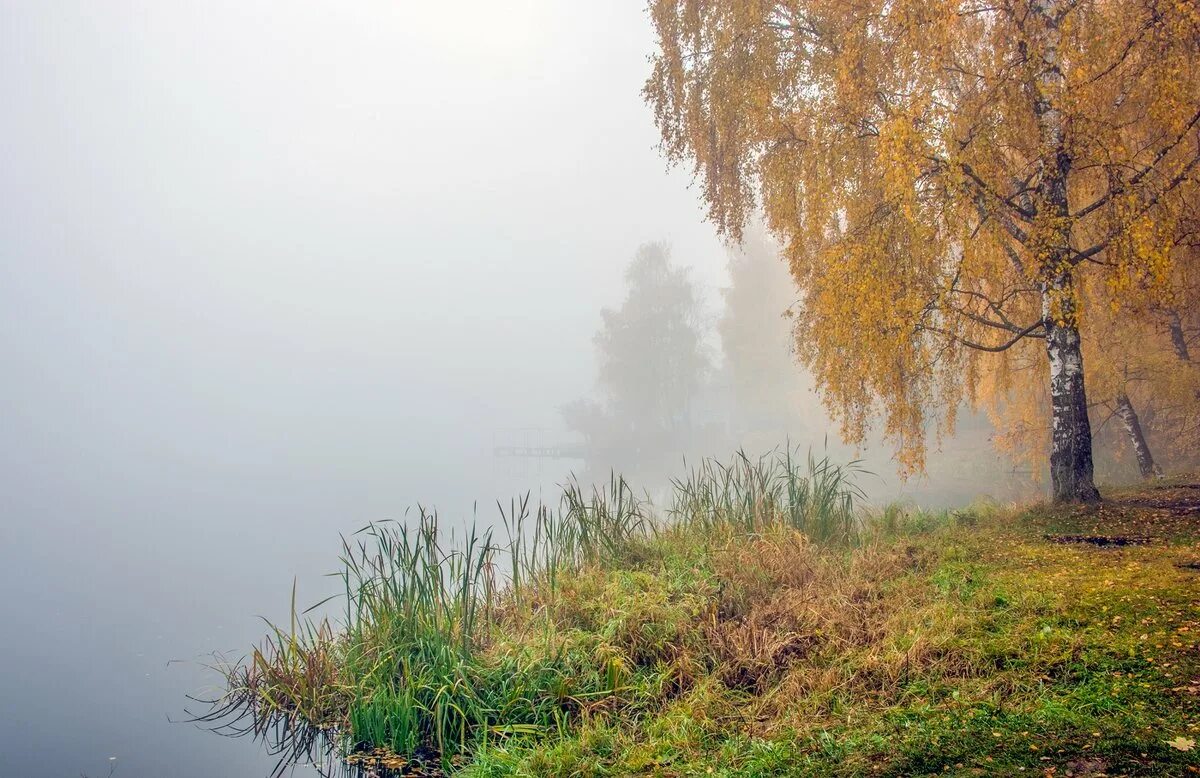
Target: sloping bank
x,y
765,625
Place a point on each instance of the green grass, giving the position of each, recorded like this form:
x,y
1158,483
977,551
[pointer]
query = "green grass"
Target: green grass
x,y
766,624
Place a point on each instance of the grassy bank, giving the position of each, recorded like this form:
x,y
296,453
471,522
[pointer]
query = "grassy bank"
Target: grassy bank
x,y
764,625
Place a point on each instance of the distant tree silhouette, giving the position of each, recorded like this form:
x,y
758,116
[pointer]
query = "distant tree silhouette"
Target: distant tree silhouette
x,y
651,366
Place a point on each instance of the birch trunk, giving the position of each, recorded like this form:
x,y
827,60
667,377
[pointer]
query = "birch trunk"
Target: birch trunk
x,y
1133,426
1071,469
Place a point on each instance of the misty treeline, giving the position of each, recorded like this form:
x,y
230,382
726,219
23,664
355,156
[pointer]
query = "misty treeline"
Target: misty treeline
x,y
665,390
989,205
676,381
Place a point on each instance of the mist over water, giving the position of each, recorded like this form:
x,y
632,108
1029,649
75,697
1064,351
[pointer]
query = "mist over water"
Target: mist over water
x,y
268,273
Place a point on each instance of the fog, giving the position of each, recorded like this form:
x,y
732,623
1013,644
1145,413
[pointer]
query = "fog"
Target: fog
x,y
270,271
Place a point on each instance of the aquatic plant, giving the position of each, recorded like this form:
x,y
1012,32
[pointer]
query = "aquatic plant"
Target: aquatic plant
x,y
424,663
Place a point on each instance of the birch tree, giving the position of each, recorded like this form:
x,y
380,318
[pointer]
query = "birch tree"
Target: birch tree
x,y
944,174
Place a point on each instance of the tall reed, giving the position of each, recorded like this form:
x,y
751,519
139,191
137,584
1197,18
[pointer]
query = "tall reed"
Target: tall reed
x,y
809,494
408,669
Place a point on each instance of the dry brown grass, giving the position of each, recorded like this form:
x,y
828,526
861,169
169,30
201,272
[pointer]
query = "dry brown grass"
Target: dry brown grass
x,y
786,605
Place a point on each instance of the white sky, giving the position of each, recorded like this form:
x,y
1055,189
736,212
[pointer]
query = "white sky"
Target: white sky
x,y
269,270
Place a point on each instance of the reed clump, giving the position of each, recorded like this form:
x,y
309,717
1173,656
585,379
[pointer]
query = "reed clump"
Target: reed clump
x,y
448,646
762,623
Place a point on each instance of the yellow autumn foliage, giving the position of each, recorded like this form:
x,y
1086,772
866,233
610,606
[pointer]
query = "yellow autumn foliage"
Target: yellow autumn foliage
x,y
952,181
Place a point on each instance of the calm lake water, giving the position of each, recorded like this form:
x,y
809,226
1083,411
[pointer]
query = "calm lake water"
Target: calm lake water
x,y
121,573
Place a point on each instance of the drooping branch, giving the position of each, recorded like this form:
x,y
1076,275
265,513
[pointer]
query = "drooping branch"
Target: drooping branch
x,y
1013,231
986,196
1026,332
1001,322
1149,168
1151,22
1182,176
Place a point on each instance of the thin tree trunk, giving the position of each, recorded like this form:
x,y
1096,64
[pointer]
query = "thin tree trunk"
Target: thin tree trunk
x,y
1071,469
1133,426
1177,339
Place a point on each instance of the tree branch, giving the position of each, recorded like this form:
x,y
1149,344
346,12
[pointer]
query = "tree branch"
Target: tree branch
x,y
1120,189
1091,251
1028,332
